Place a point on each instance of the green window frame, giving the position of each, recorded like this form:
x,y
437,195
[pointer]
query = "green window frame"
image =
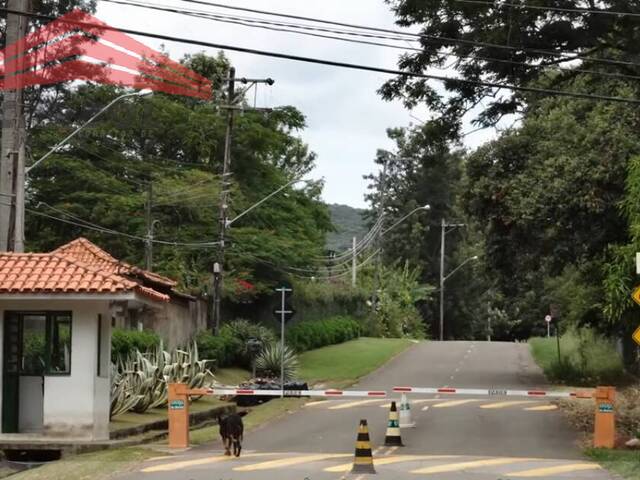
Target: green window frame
x,y
58,343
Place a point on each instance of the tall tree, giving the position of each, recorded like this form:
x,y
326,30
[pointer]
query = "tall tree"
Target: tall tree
x,y
510,43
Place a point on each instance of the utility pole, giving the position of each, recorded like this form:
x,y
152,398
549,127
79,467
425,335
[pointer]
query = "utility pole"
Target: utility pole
x,y
149,222
216,285
12,151
442,234
443,277
354,258
383,181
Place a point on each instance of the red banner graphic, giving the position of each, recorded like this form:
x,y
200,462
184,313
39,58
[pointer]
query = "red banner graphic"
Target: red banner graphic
x,y
78,46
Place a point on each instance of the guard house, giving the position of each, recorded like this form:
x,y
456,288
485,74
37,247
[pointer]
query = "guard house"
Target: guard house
x,y
56,314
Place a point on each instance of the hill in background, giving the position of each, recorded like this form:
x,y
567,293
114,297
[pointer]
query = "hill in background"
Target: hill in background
x,y
349,223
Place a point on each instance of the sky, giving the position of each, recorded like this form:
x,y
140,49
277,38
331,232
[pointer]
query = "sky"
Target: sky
x,y
346,118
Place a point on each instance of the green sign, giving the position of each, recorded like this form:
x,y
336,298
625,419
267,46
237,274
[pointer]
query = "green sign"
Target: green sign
x,y
176,405
605,408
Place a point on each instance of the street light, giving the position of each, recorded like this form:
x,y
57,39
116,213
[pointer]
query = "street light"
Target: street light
x,y
443,278
22,177
217,267
141,93
228,223
426,207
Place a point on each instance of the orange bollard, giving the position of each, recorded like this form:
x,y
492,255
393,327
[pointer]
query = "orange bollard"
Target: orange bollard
x,y
178,405
604,435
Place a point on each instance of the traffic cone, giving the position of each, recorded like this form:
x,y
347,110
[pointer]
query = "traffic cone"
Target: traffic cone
x,y
363,461
405,413
392,437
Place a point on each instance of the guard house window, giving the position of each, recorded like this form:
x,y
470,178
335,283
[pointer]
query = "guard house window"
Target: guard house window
x,y
46,343
59,343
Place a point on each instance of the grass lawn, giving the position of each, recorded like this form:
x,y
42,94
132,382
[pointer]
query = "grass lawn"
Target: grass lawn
x,y
341,365
586,359
625,463
90,466
232,375
132,419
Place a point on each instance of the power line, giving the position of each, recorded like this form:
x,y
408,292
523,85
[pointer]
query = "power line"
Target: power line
x,y
354,66
555,9
256,24
408,34
98,228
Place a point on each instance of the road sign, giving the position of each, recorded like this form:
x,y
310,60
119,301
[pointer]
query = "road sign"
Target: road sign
x,y
636,335
289,312
636,294
176,405
548,318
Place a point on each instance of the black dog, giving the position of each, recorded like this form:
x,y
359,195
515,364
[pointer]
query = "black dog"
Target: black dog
x,y
231,430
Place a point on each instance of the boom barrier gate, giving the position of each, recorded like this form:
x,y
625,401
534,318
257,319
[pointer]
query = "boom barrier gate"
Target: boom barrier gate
x,y
178,404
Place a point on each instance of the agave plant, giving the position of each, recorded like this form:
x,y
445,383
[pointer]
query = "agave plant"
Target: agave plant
x,y
140,381
269,360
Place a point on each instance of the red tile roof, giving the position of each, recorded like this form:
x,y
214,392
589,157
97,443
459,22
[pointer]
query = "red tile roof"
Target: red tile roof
x,y
78,267
90,254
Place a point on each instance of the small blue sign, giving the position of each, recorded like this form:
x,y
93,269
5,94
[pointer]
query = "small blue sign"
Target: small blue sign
x,y
605,408
176,405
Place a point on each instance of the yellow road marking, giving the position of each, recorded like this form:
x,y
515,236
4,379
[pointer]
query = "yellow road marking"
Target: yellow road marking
x,y
542,408
288,462
389,461
453,467
453,403
545,472
413,402
506,404
391,450
315,404
169,467
424,409
357,403
155,459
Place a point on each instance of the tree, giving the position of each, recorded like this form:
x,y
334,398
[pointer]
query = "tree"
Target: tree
x,y
98,184
424,171
512,44
547,195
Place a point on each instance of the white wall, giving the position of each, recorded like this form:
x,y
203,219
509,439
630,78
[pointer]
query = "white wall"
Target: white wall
x,y
71,404
30,415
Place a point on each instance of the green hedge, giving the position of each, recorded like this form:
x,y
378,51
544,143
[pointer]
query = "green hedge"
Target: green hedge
x,y
124,342
229,348
315,334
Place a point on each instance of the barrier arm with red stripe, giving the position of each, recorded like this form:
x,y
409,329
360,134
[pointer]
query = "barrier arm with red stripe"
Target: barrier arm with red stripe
x,y
497,392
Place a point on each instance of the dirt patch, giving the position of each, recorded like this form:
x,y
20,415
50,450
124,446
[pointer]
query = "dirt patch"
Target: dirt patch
x,y
580,414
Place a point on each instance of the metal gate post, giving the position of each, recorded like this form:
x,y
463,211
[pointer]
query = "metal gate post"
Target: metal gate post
x,y
178,404
604,435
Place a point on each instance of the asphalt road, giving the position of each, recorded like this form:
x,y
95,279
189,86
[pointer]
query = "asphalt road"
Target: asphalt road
x,y
455,437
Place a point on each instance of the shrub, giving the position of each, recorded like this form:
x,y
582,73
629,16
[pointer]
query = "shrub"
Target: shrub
x,y
230,346
269,360
315,334
586,358
126,342
223,349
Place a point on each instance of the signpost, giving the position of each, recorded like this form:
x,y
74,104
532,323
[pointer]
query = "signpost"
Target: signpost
x,y
285,312
548,319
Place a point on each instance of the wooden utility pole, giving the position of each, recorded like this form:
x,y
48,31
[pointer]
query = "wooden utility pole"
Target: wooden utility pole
x,y
224,189
149,223
12,152
218,266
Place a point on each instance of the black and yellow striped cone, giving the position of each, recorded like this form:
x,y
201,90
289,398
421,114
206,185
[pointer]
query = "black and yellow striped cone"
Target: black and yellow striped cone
x,y
363,461
392,438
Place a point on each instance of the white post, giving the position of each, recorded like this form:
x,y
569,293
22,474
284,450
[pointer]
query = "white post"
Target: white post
x,y
353,264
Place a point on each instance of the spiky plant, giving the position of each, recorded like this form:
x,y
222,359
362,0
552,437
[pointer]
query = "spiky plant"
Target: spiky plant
x,y
269,360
